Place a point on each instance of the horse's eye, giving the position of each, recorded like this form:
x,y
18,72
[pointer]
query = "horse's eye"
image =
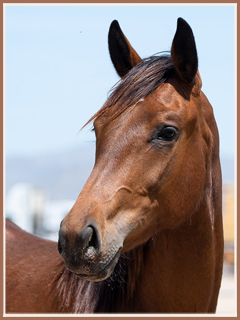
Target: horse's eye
x,y
167,134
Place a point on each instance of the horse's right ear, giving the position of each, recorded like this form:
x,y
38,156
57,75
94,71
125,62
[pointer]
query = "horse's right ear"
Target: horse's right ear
x,y
184,52
123,56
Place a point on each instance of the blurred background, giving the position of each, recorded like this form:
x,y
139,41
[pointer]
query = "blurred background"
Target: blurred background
x,y
58,74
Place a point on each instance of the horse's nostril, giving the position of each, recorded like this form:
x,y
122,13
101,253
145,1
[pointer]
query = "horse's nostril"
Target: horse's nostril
x,y
84,245
85,237
89,241
93,239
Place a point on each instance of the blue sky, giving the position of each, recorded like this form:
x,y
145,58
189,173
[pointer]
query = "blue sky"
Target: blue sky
x,y
58,71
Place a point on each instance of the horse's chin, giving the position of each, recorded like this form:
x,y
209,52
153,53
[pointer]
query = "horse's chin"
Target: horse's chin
x,y
102,274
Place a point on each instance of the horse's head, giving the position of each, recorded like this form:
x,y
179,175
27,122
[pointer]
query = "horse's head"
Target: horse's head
x,y
152,140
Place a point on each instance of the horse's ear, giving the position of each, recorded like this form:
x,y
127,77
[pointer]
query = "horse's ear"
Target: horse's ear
x,y
123,56
184,52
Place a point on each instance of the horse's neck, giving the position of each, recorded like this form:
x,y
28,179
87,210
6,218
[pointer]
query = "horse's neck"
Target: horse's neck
x,y
180,263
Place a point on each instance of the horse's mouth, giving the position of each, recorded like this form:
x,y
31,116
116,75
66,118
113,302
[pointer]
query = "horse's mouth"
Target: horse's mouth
x,y
102,274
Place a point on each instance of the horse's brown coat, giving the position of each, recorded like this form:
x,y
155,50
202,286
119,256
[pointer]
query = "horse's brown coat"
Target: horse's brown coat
x,y
154,200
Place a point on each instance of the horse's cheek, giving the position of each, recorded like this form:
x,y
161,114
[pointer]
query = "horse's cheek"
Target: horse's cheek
x,y
189,193
179,198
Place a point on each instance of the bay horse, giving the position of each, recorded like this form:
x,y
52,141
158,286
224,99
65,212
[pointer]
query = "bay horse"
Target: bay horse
x,y
145,234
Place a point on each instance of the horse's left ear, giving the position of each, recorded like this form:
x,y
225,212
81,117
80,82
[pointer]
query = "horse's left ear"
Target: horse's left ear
x,y
123,56
184,52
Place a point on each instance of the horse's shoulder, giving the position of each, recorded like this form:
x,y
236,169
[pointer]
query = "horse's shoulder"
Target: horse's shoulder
x,y
11,225
17,236
15,233
25,248
12,230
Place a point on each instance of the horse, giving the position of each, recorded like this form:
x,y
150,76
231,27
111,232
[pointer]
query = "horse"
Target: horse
x,y
145,234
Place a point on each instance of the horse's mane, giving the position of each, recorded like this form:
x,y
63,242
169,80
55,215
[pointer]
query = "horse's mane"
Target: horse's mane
x,y
140,81
75,295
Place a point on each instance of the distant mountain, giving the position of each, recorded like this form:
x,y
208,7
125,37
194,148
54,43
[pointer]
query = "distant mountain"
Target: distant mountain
x,y
62,175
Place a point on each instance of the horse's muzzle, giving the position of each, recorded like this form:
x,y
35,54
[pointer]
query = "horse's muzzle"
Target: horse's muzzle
x,y
83,256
